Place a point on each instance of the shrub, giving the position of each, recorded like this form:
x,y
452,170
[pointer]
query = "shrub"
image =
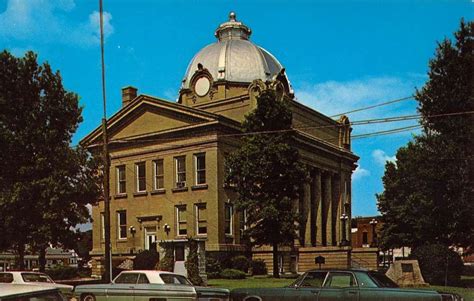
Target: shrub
x,y
224,258
213,268
192,263
240,263
167,263
438,262
258,267
147,259
84,272
62,273
232,274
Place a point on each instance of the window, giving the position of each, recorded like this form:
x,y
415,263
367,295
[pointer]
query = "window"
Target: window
x,y
200,166
365,238
141,176
314,279
122,224
143,279
180,169
121,182
174,279
159,182
6,278
102,226
228,219
382,280
227,171
201,219
340,280
36,277
127,278
181,220
243,223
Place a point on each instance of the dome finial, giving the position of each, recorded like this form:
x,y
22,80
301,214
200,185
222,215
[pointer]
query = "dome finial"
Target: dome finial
x,y
232,29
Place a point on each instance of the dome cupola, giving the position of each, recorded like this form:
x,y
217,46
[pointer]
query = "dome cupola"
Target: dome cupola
x,y
232,30
233,59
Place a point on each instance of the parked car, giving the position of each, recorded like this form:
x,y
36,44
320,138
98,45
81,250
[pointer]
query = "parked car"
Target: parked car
x,y
34,278
25,292
347,285
146,285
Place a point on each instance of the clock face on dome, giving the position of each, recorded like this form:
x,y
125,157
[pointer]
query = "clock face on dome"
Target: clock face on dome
x,y
202,86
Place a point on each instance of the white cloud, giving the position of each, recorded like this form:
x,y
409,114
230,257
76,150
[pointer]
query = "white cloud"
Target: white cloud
x,y
335,97
45,21
380,157
360,173
331,97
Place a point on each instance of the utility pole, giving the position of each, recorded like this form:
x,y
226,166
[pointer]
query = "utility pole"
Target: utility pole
x,y
106,158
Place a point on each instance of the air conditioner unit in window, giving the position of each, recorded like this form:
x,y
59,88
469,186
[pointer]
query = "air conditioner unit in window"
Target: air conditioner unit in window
x,y
180,184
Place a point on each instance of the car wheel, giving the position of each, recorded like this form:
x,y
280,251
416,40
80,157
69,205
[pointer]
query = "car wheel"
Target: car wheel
x,y
88,297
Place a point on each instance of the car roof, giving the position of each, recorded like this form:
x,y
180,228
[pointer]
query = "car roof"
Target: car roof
x,y
342,270
153,275
149,271
19,272
10,289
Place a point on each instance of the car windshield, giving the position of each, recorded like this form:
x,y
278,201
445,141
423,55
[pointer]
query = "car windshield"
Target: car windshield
x,y
36,277
174,279
297,281
382,280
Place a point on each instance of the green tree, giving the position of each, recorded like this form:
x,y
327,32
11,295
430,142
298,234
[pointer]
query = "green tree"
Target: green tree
x,y
267,174
192,263
429,192
45,183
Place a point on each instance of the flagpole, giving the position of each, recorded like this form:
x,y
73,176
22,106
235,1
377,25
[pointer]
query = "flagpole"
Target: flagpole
x,y
106,158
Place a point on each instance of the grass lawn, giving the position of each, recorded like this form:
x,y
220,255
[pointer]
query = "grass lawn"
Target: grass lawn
x,y
263,282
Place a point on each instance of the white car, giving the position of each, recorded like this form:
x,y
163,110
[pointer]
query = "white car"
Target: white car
x,y
34,278
148,285
25,292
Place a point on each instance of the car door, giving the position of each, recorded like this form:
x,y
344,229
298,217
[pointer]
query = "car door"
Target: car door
x,y
123,287
140,291
339,286
309,288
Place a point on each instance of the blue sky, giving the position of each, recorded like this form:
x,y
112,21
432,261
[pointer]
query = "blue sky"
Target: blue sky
x,y
339,55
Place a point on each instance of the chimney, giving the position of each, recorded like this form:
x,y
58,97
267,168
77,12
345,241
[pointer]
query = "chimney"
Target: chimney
x,y
128,94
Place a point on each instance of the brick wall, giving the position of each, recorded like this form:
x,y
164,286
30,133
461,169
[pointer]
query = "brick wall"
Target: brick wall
x,y
335,257
365,258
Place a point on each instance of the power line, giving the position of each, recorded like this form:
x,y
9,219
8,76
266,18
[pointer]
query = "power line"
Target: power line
x,y
353,123
374,106
386,132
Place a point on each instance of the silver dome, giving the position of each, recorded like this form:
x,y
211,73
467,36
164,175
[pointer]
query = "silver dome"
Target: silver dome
x,y
233,57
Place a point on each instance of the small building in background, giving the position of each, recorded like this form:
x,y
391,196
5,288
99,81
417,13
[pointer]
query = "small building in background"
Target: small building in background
x,y
363,230
365,235
55,257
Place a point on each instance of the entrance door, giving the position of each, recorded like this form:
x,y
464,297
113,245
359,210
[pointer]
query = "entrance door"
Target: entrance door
x,y
179,258
179,253
150,237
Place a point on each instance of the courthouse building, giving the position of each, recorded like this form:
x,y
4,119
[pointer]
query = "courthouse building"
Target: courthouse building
x,y
167,161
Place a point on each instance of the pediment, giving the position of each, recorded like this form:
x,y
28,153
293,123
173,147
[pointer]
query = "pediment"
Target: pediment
x,y
147,115
149,119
